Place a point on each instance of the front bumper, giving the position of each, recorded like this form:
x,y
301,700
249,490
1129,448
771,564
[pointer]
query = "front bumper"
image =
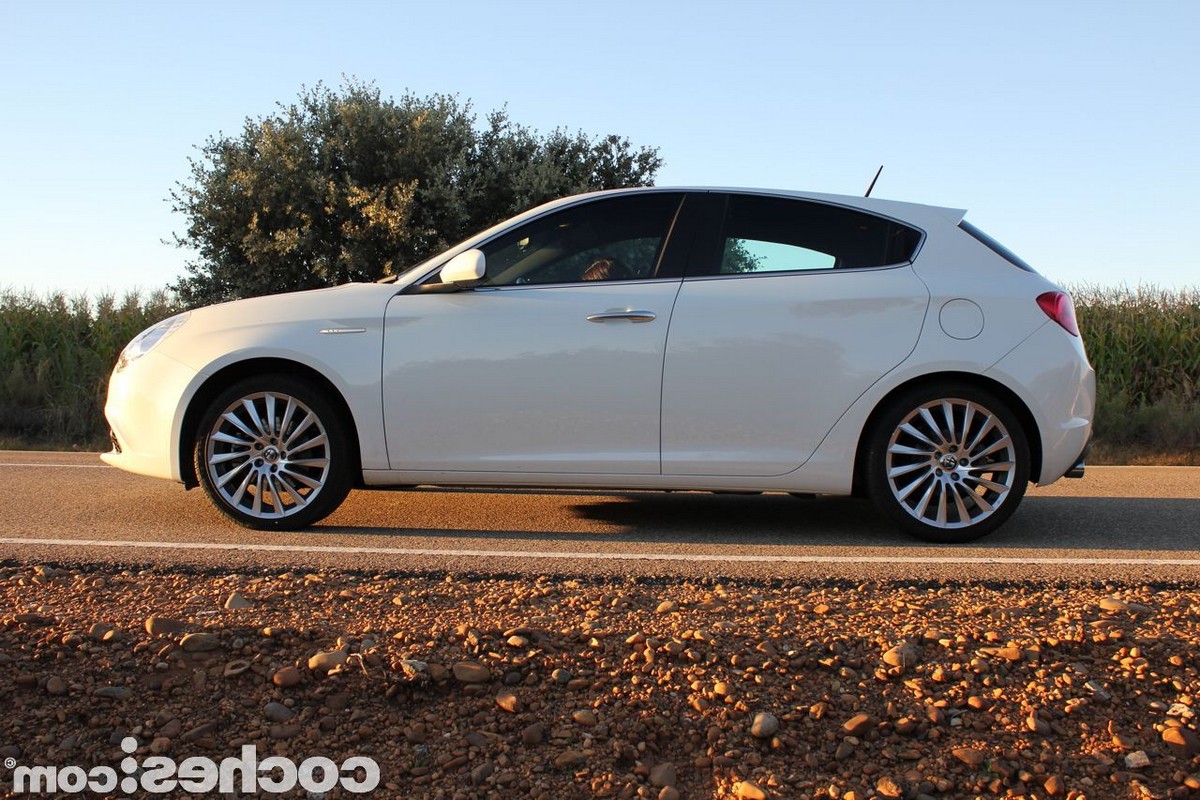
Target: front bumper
x,y
145,413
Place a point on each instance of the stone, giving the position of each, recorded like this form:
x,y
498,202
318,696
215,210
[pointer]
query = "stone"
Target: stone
x,y
235,668
667,607
236,602
278,712
286,677
56,686
668,793
533,734
471,672
887,787
113,692
202,642
663,774
164,626
585,717
1054,786
764,725
507,700
569,758
749,790
858,724
902,655
561,676
1182,742
327,660
1137,760
971,756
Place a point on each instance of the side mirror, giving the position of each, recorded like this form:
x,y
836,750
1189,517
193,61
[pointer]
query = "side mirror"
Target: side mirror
x,y
465,269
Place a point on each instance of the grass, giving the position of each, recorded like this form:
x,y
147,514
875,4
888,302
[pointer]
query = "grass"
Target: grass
x,y
56,353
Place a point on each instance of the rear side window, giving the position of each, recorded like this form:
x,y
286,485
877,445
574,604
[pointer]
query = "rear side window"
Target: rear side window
x,y
996,247
770,234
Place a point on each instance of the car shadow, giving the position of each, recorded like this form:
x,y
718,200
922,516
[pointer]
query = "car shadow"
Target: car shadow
x,y
776,520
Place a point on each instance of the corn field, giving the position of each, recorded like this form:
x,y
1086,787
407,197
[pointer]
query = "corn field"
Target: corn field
x,y
56,353
55,356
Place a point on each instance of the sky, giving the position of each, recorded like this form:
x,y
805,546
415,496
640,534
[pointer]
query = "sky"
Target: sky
x,y
1067,128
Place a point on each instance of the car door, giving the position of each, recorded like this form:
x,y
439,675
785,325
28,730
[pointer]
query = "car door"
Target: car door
x,y
553,363
791,310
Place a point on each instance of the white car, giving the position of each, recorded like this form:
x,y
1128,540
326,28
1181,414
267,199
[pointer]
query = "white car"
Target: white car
x,y
683,339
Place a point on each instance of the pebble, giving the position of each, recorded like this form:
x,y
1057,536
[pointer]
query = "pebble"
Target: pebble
x,y
749,790
569,758
278,712
113,692
1183,742
533,734
663,774
56,686
326,660
764,725
287,677
507,700
902,655
887,787
164,626
236,602
858,724
971,756
667,607
471,672
585,717
202,642
1137,760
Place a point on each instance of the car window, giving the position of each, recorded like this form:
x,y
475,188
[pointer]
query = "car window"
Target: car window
x,y
619,238
770,234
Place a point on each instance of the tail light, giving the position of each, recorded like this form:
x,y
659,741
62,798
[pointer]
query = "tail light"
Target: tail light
x,y
1058,307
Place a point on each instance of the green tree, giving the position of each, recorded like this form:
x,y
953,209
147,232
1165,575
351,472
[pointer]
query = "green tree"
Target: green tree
x,y
345,185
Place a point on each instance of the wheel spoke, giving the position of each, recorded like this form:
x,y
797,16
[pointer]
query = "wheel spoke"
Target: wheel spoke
x,y
933,426
229,476
896,472
988,425
912,487
956,490
916,434
252,413
232,419
310,444
948,413
303,426
904,450
299,478
234,455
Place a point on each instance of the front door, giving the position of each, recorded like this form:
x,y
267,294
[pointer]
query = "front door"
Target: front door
x,y
553,364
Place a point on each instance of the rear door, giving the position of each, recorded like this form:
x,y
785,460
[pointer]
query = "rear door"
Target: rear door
x,y
791,310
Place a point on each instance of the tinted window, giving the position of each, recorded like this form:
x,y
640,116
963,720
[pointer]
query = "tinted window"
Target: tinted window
x,y
769,234
620,238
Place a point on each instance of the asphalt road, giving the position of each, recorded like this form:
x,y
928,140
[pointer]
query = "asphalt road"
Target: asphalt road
x,y
1118,523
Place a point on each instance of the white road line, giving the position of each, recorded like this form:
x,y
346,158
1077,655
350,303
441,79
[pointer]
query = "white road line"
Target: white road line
x,y
63,466
764,558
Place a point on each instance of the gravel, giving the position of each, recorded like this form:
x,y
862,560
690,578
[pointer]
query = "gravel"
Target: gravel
x,y
548,687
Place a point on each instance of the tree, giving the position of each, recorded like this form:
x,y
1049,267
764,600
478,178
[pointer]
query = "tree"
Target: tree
x,y
345,185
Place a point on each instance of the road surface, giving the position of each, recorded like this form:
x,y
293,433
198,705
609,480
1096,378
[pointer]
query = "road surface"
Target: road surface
x,y
1118,523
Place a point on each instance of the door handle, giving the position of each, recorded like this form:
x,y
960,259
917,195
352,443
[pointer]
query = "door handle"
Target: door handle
x,y
628,314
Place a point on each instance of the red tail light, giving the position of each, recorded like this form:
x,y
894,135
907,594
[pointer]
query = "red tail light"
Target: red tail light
x,y
1058,307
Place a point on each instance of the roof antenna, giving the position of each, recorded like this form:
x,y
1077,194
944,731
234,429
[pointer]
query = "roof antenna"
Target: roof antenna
x,y
872,186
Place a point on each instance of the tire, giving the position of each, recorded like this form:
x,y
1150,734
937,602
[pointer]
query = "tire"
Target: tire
x,y
272,453
948,464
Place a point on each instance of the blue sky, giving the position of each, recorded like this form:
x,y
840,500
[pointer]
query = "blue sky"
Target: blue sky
x,y
1068,129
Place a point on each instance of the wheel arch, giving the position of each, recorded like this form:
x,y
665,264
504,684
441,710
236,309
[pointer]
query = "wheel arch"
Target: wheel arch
x,y
231,373
1014,401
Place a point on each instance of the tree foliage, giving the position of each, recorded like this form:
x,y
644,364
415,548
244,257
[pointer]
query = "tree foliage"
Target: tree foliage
x,y
346,185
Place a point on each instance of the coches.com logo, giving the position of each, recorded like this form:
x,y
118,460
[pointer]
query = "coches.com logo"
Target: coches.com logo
x,y
200,775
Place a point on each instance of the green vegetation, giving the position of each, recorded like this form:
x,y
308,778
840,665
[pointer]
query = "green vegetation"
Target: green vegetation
x,y
348,185
56,353
1145,346
55,356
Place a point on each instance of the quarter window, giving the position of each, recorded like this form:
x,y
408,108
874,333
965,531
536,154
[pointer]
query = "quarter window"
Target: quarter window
x,y
769,234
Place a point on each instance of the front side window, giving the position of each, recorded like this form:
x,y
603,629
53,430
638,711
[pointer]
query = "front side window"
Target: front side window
x,y
770,234
619,238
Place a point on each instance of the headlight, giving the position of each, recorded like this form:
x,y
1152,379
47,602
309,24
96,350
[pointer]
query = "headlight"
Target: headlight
x,y
145,341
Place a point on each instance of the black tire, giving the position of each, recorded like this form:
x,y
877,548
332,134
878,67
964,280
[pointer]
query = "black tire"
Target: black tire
x,y
947,464
272,453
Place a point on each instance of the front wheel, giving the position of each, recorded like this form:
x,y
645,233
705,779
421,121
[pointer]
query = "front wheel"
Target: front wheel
x,y
948,464
272,453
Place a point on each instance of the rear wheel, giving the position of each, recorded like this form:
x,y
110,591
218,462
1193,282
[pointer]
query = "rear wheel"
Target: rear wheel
x,y
948,464
272,453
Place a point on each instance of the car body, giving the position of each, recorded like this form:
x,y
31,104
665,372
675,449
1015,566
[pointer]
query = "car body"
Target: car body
x,y
683,339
